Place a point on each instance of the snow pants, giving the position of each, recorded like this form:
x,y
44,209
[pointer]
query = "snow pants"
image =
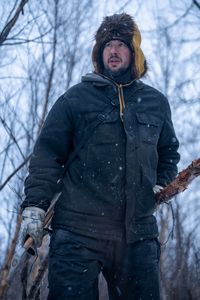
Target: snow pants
x,y
75,262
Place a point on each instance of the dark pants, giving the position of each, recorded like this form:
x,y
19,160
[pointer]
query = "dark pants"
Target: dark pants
x,y
75,261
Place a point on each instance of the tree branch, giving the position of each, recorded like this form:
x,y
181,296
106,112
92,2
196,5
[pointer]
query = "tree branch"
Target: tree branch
x,y
7,28
52,68
196,4
14,172
180,183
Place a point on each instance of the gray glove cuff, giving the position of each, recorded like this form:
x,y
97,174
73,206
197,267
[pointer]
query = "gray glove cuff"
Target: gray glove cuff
x,y
34,213
32,224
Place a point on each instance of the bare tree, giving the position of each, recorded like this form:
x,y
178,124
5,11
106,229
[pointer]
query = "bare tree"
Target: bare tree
x,y
174,71
45,53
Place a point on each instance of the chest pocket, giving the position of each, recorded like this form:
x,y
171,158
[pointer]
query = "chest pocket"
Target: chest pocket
x,y
107,131
149,127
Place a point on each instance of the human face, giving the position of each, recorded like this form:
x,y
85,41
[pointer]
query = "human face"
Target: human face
x,y
116,56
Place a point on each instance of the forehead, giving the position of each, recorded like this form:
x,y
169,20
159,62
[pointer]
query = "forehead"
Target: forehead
x,y
115,41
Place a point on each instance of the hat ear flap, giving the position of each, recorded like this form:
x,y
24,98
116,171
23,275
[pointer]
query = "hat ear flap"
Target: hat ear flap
x,y
96,59
138,54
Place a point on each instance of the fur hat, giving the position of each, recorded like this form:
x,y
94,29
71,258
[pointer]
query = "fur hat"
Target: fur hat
x,y
119,27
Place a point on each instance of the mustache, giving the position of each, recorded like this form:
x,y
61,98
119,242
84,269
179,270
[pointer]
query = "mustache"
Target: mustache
x,y
114,56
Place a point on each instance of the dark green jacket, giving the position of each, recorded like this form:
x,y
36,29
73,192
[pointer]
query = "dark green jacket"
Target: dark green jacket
x,y
108,188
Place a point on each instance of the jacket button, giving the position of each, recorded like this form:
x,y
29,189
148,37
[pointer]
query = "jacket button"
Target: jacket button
x,y
101,117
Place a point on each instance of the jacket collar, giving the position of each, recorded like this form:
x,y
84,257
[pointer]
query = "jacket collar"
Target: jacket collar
x,y
101,80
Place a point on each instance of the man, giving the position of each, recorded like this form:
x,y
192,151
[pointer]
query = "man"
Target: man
x,y
104,219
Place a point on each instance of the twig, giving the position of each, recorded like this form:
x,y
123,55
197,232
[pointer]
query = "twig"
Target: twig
x,y
14,172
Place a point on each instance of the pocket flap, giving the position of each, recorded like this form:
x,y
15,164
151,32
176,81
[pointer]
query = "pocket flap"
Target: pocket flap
x,y
148,119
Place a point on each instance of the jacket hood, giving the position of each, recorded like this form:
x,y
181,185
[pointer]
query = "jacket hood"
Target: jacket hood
x,y
101,80
97,79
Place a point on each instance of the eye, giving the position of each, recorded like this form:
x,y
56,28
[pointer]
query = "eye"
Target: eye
x,y
107,45
122,44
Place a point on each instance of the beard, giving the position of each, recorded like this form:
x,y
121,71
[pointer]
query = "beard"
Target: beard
x,y
116,73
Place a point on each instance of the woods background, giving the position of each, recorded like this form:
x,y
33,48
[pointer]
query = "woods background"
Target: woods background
x,y
45,47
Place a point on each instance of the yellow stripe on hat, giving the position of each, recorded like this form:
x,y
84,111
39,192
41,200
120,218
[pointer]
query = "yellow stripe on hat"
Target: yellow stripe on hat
x,y
139,56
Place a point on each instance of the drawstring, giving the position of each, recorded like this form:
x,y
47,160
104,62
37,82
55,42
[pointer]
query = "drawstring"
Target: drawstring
x,y
120,93
121,100
121,96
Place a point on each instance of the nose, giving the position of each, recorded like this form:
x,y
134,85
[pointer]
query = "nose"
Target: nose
x,y
113,49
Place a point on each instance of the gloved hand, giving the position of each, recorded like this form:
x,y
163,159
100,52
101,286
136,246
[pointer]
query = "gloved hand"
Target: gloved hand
x,y
157,188
32,224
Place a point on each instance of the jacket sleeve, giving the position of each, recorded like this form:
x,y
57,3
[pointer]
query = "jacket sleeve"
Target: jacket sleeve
x,y
168,156
49,156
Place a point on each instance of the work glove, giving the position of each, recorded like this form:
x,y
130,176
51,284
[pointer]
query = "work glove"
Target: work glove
x,y
157,188
32,224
